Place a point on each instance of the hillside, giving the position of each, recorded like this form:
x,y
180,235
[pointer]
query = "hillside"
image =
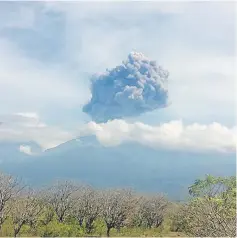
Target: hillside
x,y
128,165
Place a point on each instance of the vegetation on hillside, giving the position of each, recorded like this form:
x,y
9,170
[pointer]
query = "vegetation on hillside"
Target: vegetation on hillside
x,y
71,209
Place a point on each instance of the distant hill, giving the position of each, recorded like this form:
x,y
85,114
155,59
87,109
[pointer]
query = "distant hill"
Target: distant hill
x,y
127,165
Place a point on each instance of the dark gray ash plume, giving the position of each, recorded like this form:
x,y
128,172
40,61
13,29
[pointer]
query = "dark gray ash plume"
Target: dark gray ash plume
x,y
136,86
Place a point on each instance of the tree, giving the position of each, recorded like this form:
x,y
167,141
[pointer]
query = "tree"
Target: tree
x,y
212,186
87,207
25,209
115,208
176,215
9,189
150,211
61,197
212,210
47,214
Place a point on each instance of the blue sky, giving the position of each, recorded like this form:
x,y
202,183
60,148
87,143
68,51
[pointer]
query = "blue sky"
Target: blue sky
x,y
48,51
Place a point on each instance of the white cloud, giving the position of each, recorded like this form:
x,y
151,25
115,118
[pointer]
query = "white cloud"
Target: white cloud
x,y
171,135
85,10
27,127
25,149
27,119
192,40
17,15
29,84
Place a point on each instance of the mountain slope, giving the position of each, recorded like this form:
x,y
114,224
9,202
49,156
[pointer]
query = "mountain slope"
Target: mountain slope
x,y
126,165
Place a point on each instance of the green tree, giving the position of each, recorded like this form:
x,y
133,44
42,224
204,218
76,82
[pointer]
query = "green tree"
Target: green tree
x,y
212,208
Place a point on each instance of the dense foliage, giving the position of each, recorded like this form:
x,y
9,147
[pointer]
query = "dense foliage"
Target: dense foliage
x,y
70,209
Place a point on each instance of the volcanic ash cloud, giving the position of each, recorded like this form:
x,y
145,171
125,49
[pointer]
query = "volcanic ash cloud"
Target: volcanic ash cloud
x,y
136,86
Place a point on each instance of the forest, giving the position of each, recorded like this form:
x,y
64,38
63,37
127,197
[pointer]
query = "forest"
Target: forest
x,y
69,208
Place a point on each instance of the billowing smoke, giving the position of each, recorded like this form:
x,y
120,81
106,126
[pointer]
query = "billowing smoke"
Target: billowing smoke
x,y
136,86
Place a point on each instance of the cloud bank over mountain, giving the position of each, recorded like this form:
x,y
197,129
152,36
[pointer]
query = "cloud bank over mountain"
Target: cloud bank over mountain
x,y
138,85
175,135
171,135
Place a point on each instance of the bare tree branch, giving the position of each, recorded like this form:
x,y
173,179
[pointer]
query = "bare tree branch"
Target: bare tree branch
x,y
9,189
25,209
116,206
61,198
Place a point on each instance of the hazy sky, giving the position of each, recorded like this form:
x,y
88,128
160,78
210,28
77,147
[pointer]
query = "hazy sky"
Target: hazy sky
x,y
48,51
